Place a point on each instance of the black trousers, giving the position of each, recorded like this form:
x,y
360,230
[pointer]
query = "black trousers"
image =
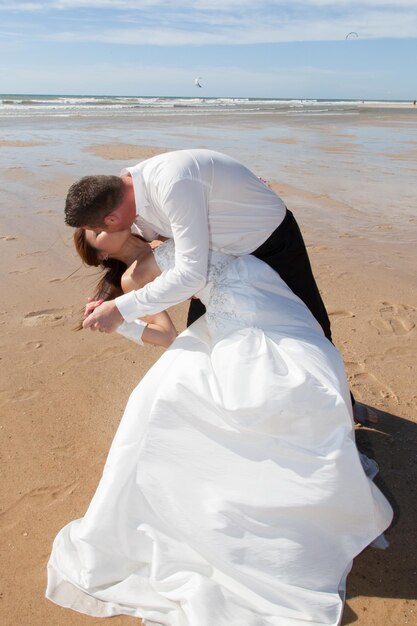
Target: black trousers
x,y
286,253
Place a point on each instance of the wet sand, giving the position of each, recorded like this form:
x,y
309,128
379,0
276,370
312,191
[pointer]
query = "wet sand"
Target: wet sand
x,y
351,186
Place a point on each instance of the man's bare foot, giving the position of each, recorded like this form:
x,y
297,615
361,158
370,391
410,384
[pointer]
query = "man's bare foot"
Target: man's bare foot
x,y
365,415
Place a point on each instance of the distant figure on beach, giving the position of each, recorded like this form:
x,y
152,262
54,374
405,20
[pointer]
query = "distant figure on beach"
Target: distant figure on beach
x,y
233,493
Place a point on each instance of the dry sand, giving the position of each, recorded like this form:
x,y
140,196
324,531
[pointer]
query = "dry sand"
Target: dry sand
x,y
62,392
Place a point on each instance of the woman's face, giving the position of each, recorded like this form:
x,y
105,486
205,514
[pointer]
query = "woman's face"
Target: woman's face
x,y
108,244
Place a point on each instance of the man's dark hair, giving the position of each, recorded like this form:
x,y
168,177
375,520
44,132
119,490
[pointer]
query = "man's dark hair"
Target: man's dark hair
x,y
91,198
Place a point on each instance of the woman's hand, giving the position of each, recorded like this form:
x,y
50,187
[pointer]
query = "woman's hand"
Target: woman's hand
x,y
155,243
105,317
91,305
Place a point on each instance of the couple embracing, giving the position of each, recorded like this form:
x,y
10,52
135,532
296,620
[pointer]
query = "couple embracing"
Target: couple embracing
x,y
233,493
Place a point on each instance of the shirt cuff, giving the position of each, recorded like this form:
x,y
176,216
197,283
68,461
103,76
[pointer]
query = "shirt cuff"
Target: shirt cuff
x,y
128,306
133,330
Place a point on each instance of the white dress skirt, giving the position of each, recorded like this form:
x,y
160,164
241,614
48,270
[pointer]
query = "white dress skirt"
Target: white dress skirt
x,y
233,493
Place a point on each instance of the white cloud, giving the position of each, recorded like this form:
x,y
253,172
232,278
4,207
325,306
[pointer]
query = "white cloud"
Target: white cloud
x,y
234,31
210,22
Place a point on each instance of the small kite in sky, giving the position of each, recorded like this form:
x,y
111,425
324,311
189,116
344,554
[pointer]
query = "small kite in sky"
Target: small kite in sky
x,y
353,34
197,82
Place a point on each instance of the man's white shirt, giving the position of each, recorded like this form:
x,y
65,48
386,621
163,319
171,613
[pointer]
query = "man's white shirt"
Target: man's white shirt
x,y
204,200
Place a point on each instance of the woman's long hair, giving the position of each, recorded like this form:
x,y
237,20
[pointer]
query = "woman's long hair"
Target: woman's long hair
x,y
109,285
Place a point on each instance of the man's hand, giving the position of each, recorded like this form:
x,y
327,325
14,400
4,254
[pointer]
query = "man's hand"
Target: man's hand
x,y
106,317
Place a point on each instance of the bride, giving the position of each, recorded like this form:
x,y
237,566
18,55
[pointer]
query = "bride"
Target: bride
x,y
233,493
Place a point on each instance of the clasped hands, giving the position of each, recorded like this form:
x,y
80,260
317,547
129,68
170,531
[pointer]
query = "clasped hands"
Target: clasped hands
x,y
102,316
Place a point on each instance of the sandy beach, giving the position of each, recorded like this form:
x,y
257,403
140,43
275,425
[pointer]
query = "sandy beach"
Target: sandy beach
x,y
350,181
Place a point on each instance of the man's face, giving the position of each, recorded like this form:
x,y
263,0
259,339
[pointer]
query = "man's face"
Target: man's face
x,y
112,227
122,217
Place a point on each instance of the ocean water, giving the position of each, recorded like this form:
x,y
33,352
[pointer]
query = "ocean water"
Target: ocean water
x,y
105,106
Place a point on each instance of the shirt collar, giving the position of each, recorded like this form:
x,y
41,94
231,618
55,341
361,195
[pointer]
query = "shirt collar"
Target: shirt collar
x,y
141,199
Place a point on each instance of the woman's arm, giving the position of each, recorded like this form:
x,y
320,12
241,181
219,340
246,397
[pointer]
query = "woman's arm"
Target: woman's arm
x,y
160,331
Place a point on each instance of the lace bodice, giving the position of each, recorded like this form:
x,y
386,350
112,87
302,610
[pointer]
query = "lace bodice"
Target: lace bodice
x,y
243,292
219,306
218,261
165,255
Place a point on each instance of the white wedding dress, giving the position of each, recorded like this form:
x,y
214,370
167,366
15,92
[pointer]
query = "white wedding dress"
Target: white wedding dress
x,y
233,493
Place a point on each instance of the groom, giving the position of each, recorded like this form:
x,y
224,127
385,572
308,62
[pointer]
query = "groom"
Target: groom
x,y
203,200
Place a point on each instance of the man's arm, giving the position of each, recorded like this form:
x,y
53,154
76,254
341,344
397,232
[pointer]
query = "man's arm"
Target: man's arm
x,y
186,206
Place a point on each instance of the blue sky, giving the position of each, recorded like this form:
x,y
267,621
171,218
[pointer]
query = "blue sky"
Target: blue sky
x,y
240,48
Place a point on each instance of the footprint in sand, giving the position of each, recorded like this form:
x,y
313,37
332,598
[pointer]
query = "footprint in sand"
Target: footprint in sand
x,y
340,314
395,319
25,271
32,351
23,254
344,275
69,449
367,383
398,352
28,346
8,238
106,354
47,317
350,236
317,248
40,497
19,395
